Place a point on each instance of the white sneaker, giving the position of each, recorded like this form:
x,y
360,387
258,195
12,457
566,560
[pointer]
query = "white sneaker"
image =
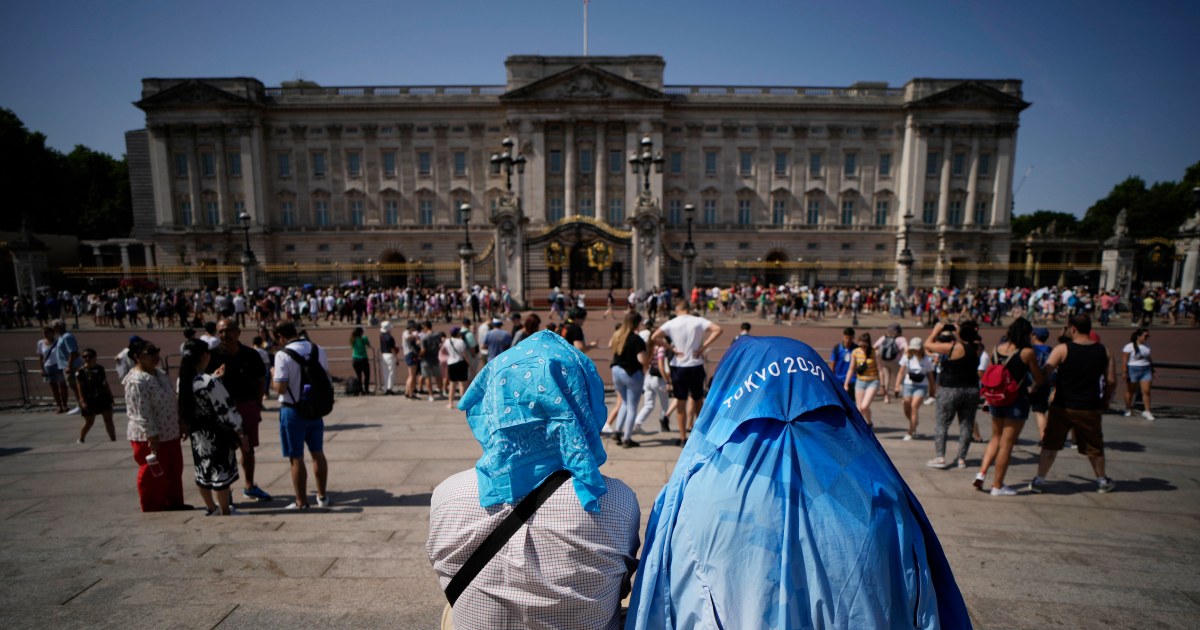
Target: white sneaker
x,y
606,430
1126,413
907,437
1147,415
323,501
74,412
1004,491
929,401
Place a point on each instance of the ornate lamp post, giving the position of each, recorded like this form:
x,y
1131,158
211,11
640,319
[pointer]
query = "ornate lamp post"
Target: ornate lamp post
x,y
465,252
689,253
643,161
508,161
905,259
248,259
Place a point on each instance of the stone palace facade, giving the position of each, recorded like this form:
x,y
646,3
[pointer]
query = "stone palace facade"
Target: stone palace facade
x,y
787,183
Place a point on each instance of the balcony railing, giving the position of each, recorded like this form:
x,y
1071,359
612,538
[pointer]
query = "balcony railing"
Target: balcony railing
x,y
386,90
786,91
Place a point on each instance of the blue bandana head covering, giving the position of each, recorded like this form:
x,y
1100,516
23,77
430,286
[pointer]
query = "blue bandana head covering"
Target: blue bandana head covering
x,y
536,409
785,512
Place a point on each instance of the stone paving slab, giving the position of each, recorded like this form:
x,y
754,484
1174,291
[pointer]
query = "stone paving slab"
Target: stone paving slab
x,y
79,554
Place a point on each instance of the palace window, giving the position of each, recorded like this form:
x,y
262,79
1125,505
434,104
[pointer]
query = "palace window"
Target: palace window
x,y
208,164
710,162
985,164
850,165
778,211
781,162
354,164
284,161
287,212
321,212
929,212
814,164
745,163
959,162
981,209
616,163
389,163
185,213
238,208
676,162
885,164
555,212
318,164
616,211
848,212
956,213
881,213
674,212
181,167
212,213
356,212
460,163
933,163
813,213
235,164
424,163
586,207
391,212
585,161
743,206
425,212
556,162
710,211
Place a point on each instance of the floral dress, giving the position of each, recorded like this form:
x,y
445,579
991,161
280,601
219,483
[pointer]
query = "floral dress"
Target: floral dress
x,y
214,434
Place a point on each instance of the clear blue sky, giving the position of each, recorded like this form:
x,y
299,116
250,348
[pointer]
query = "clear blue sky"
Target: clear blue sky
x,y
1115,86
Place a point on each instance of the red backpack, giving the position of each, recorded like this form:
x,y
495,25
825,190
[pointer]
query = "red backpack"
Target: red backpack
x,y
997,386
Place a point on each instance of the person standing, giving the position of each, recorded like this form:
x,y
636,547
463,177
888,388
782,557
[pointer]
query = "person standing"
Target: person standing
x,y
214,425
890,347
95,397
1137,370
52,375
628,372
296,431
358,360
412,359
690,337
458,366
66,356
388,357
154,431
497,340
572,330
1020,360
958,386
1086,383
242,374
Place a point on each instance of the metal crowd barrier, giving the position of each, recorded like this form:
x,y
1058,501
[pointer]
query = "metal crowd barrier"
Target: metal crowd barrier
x,y
1170,378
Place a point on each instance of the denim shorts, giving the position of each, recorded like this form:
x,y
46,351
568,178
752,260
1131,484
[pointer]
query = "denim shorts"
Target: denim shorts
x,y
861,385
916,389
1141,374
1019,410
295,431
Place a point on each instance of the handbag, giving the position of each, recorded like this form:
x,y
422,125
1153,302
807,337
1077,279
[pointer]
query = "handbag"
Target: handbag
x,y
499,536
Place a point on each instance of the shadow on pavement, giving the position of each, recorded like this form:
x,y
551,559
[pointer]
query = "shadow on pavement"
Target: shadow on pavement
x,y
1125,447
350,426
13,450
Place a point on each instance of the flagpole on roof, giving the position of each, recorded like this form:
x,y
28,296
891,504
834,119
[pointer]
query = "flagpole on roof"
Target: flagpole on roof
x,y
585,27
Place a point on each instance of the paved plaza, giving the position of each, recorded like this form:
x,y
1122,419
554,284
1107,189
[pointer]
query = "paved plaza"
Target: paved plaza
x,y
79,553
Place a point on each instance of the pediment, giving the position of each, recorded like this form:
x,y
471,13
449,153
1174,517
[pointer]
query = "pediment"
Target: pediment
x,y
970,95
584,83
192,93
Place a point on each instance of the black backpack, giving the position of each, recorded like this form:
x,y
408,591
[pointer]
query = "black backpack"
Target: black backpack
x,y
316,390
889,349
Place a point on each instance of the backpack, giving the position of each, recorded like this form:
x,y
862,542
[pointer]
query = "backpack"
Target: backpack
x,y
997,386
316,390
889,350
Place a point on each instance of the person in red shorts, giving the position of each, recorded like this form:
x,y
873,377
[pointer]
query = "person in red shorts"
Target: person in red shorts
x,y
241,371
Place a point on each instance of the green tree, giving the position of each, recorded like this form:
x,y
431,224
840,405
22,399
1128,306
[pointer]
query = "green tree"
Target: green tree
x,y
1063,221
1154,211
83,193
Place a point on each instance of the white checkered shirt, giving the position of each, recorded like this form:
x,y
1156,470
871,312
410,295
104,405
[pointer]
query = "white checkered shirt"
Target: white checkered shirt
x,y
562,569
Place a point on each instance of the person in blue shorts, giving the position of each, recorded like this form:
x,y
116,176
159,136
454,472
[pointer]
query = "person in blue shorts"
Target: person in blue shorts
x,y
296,431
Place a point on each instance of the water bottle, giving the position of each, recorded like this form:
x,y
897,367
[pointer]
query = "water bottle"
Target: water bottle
x,y
156,468
305,391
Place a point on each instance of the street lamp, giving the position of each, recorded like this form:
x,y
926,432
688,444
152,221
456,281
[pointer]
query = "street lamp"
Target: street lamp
x,y
905,259
641,162
507,161
689,252
248,260
465,253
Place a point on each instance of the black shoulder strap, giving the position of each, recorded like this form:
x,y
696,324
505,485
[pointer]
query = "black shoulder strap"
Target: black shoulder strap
x,y
499,536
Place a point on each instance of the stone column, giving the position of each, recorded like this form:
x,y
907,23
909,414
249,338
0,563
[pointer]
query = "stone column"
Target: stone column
x,y
1191,257
569,167
972,181
162,171
600,169
124,260
98,255
904,173
534,198
944,188
1002,194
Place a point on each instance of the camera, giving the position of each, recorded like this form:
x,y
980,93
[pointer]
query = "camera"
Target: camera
x,y
947,333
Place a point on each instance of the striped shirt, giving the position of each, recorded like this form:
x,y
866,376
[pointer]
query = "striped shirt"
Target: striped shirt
x,y
565,568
